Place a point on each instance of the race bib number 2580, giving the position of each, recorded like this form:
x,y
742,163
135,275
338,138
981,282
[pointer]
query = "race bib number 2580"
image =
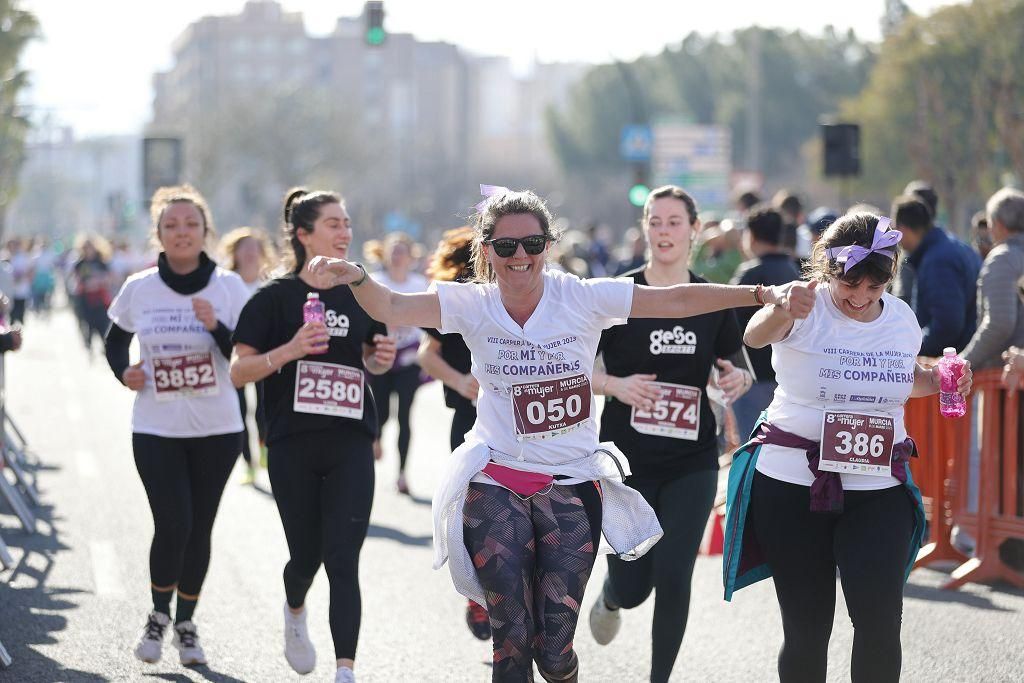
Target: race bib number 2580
x,y
328,389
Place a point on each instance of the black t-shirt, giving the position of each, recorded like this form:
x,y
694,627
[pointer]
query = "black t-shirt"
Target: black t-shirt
x,y
455,353
677,350
770,269
272,317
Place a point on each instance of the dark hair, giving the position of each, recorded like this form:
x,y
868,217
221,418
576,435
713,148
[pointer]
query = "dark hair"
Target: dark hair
x,y
301,209
508,203
923,190
748,200
909,211
765,224
675,192
979,221
788,204
856,228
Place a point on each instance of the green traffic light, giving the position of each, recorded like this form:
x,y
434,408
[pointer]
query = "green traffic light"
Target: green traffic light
x,y
638,194
375,36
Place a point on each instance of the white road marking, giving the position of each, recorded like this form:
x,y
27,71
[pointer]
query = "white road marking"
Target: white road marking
x,y
105,573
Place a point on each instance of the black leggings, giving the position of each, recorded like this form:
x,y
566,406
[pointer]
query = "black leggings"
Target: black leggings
x,y
533,558
869,542
462,421
243,404
683,506
184,479
404,382
323,485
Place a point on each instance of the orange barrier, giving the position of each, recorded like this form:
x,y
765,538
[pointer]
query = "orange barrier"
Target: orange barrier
x,y
1001,497
942,442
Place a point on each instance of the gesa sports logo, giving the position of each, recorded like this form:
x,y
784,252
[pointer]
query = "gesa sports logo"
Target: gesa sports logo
x,y
676,340
337,325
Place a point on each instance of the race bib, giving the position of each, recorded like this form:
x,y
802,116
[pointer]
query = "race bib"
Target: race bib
x,y
328,389
676,413
185,375
857,443
547,408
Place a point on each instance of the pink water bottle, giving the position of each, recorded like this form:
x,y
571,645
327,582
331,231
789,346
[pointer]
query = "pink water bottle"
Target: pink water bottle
x,y
951,367
313,312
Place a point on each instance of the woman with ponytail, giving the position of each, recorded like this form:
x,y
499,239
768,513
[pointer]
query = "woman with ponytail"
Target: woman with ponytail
x,y
321,421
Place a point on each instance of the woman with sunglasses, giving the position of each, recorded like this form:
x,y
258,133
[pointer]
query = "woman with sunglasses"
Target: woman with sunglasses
x,y
520,514
825,481
658,412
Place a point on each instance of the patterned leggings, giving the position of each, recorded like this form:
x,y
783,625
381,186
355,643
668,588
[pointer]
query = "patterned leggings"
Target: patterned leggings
x,y
533,558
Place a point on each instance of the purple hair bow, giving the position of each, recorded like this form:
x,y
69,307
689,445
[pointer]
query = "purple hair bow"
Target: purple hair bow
x,y
488,191
884,243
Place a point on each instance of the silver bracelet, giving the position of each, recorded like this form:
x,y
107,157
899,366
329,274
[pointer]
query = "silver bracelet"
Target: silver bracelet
x,y
269,364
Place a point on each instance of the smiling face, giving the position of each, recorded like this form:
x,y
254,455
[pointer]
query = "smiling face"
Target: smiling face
x,y
182,231
858,301
331,234
519,272
669,231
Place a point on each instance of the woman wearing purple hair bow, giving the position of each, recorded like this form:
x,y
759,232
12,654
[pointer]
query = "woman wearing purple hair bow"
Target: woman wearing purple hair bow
x,y
825,480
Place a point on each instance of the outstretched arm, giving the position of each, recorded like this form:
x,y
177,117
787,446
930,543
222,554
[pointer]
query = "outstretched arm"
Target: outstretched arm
x,y
422,309
681,301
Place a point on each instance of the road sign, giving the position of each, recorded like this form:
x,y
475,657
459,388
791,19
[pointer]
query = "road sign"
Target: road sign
x,y
636,142
697,158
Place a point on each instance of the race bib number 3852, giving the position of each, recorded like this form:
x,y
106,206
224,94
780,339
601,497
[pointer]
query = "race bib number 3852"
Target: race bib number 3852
x,y
328,389
857,443
676,413
550,407
184,375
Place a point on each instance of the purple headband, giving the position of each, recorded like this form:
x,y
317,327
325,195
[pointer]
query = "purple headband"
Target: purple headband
x,y
884,243
488,191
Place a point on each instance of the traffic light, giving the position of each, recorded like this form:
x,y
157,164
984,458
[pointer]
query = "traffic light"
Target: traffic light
x,y
373,12
639,190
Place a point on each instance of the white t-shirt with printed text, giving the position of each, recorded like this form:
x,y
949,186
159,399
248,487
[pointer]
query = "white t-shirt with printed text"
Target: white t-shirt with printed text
x,y
558,341
167,327
831,361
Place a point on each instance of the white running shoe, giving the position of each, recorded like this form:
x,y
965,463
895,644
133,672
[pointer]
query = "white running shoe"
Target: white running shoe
x,y
298,648
345,675
186,639
151,644
604,622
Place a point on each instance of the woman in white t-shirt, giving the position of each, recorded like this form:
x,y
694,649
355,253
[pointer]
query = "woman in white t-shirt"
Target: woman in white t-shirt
x,y
825,481
185,424
527,496
397,253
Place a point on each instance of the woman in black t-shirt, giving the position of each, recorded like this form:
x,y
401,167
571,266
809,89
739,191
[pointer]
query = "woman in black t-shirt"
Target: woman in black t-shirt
x,y
658,413
321,422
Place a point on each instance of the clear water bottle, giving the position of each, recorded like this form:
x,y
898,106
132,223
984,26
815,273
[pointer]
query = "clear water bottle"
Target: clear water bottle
x,y
951,367
313,311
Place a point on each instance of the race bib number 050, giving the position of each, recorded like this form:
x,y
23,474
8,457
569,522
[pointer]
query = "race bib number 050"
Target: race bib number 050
x,y
676,413
547,408
185,375
328,389
857,443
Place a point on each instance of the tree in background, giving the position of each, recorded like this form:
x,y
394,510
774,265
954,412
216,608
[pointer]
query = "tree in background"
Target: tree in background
x,y
707,79
945,103
17,28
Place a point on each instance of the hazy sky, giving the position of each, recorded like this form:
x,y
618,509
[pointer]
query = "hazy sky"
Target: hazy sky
x,y
93,67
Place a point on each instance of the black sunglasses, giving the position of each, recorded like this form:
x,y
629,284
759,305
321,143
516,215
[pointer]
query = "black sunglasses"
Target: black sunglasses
x,y
507,246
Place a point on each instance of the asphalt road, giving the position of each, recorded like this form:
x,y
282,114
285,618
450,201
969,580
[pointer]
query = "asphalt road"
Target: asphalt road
x,y
74,605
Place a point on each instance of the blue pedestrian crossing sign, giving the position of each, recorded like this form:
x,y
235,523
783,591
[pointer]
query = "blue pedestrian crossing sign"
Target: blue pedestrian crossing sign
x,y
635,143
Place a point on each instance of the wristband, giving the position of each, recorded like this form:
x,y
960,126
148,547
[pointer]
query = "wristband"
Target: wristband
x,y
758,293
360,280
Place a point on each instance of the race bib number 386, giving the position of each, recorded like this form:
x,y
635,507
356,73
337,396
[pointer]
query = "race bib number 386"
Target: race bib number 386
x,y
185,375
550,407
676,413
328,389
857,443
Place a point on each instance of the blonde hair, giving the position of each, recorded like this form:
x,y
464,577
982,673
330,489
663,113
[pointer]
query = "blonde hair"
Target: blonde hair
x,y
453,259
229,244
376,251
177,194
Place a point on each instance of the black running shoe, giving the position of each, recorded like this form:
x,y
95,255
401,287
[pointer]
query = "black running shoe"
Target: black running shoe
x,y
478,621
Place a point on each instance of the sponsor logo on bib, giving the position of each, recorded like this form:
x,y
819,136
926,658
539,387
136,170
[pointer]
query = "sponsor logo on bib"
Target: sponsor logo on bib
x,y
337,325
676,340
